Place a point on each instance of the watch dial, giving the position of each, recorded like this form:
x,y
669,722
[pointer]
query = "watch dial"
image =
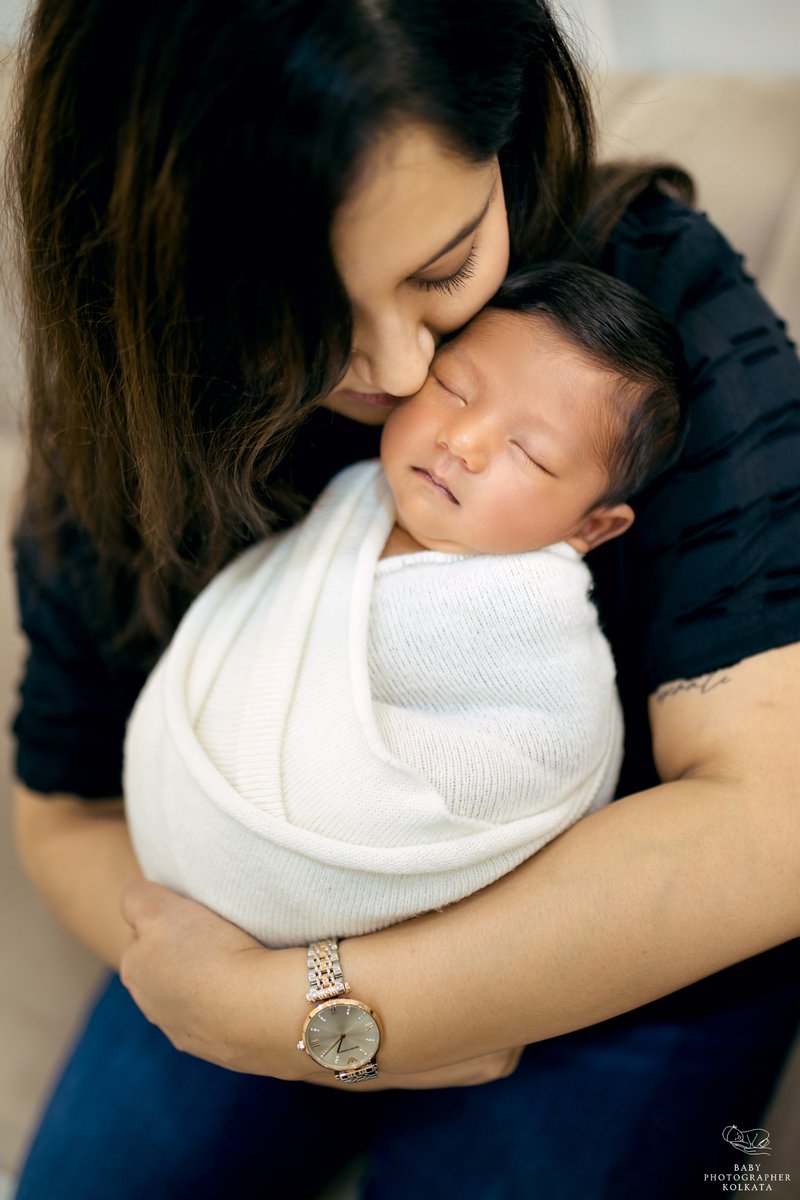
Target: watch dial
x,y
342,1035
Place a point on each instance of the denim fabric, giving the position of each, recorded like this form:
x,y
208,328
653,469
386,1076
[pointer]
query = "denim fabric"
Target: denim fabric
x,y
633,1107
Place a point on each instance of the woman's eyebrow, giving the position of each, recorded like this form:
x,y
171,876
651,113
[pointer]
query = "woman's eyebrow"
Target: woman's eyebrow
x,y
469,228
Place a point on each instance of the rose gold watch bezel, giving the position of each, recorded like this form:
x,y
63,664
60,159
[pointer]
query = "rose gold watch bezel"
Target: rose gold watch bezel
x,y
344,1001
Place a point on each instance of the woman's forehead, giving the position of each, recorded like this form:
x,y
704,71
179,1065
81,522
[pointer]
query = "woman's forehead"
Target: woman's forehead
x,y
412,199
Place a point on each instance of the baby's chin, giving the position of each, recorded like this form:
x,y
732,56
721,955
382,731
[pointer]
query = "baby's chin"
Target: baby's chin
x,y
479,545
443,545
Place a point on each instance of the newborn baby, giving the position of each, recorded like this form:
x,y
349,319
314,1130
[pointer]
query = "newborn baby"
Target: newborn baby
x,y
403,697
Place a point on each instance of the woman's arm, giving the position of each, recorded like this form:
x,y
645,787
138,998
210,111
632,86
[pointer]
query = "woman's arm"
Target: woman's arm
x,y
79,858
631,903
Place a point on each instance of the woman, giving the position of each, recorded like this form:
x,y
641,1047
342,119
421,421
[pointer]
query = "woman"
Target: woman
x,y
243,241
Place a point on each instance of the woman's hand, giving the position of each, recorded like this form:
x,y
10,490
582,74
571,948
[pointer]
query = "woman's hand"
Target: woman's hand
x,y
206,983
218,994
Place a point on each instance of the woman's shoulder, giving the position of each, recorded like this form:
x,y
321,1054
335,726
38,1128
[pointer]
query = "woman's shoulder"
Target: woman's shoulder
x,y
744,373
711,564
677,257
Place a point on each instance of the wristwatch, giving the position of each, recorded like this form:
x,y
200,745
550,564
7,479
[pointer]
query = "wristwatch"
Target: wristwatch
x,y
339,1034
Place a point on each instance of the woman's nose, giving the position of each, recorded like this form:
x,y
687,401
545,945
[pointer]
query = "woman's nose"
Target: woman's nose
x,y
394,361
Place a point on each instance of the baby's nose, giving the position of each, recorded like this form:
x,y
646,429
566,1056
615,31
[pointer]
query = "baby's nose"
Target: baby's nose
x,y
465,442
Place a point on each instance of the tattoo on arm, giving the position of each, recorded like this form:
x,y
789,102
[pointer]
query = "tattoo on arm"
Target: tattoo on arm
x,y
702,684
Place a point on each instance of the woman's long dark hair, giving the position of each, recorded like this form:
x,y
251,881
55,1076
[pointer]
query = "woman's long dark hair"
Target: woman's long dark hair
x,y
175,171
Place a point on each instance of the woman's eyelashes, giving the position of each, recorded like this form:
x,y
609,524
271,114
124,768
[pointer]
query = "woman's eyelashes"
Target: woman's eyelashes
x,y
452,283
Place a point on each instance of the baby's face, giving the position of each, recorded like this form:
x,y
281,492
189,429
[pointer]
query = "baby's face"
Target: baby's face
x,y
498,452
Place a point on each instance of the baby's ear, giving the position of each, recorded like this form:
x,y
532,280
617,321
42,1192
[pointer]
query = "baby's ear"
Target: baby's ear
x,y
601,525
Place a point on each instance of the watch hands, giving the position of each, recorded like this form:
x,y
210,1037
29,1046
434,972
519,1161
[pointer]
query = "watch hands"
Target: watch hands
x,y
340,1049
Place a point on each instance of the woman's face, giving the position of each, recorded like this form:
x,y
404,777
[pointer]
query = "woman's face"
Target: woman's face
x,y
421,244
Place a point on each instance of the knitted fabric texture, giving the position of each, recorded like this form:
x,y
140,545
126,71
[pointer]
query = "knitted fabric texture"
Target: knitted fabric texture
x,y
331,743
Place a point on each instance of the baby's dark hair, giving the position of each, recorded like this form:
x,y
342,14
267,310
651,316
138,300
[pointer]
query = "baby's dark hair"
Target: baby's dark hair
x,y
623,333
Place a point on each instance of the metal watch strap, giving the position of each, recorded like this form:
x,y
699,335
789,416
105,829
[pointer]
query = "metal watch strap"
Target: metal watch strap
x,y
325,971
325,983
369,1071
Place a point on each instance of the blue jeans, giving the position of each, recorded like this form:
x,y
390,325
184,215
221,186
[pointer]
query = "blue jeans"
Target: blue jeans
x,y
633,1107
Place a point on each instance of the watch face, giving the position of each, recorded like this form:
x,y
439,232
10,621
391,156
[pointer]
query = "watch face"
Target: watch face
x,y
342,1034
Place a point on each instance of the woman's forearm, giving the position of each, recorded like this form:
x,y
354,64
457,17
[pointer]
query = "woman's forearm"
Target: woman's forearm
x,y
631,903
79,858
634,902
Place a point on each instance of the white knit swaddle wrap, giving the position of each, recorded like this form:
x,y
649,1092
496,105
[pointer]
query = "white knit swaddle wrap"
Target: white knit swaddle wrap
x,y
265,777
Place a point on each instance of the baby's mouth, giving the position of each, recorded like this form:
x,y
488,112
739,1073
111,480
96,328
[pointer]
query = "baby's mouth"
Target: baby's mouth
x,y
439,484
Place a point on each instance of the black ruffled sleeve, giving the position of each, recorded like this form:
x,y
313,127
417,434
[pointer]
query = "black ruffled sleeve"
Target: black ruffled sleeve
x,y
76,691
710,572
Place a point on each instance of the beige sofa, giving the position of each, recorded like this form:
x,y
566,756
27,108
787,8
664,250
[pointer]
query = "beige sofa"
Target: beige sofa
x,y
739,138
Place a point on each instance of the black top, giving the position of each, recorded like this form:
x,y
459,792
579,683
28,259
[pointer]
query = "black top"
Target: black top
x,y
708,575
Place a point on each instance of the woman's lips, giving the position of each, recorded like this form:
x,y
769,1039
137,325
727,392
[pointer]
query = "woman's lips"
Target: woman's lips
x,y
377,399
439,484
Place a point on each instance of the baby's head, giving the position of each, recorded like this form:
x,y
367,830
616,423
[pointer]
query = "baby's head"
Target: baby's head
x,y
540,420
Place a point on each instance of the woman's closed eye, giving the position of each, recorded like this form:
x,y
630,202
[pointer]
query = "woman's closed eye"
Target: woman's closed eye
x,y
451,283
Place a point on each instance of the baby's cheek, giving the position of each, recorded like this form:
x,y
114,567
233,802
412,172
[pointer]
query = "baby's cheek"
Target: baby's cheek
x,y
404,427
394,439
